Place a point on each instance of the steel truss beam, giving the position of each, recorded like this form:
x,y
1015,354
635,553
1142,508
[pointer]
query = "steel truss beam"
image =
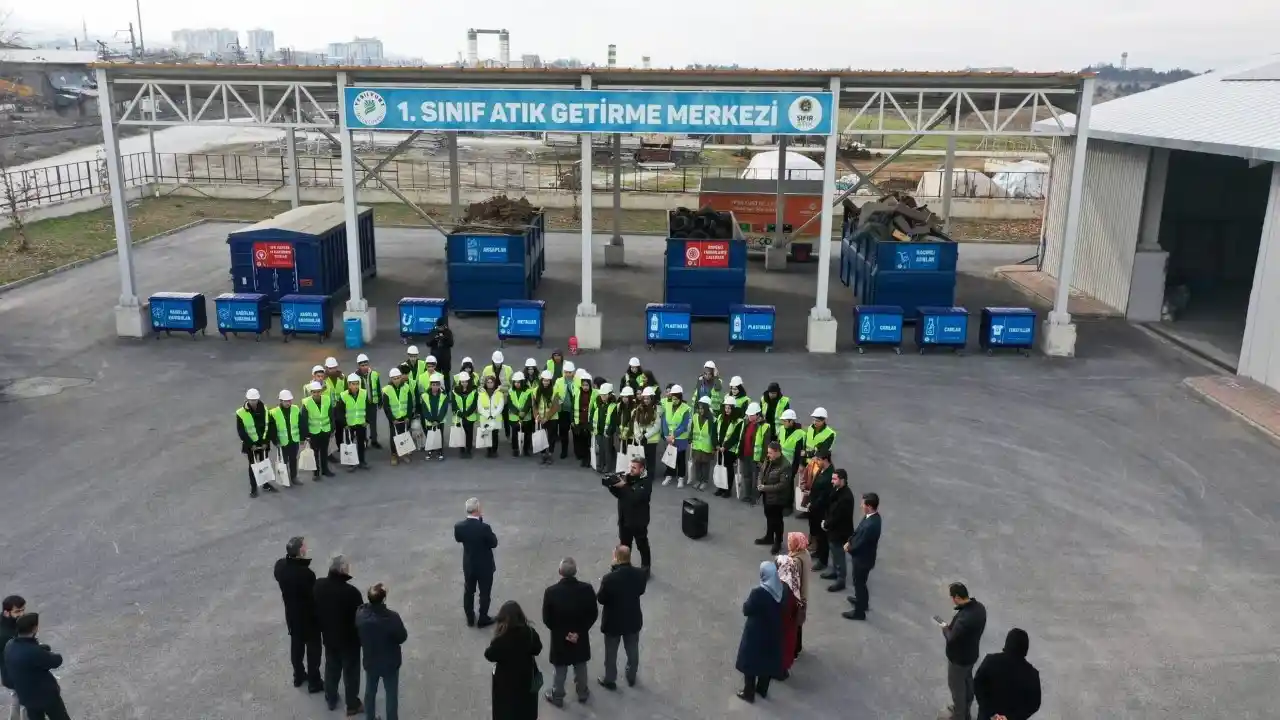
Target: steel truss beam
x,y
917,111
260,103
375,172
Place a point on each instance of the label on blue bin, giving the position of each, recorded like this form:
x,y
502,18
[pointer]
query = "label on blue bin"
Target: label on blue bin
x,y
873,328
234,317
945,329
751,327
302,318
482,249
519,322
916,258
667,327
1016,330
172,315
419,319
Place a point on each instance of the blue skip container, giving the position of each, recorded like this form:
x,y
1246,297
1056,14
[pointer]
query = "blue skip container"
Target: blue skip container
x,y
306,315
945,327
178,312
877,326
521,320
668,323
752,325
418,316
1012,328
243,313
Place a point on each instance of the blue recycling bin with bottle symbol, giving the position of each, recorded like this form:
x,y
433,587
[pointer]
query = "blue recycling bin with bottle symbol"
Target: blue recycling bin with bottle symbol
x,y
944,327
877,326
668,324
521,320
752,325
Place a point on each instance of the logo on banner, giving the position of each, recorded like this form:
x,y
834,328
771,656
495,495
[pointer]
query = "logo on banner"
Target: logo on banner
x,y
805,113
369,108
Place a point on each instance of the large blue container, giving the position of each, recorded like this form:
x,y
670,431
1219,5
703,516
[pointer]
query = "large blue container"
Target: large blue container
x,y
752,325
299,252
937,256
306,315
521,320
1013,328
668,323
707,275
908,288
418,315
942,327
877,325
178,312
243,313
484,268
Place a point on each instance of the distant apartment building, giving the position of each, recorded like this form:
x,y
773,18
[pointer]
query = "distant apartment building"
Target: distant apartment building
x,y
530,60
206,42
261,43
360,51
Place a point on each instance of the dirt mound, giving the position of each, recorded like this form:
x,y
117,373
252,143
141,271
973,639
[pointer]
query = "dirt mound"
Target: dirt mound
x,y
498,214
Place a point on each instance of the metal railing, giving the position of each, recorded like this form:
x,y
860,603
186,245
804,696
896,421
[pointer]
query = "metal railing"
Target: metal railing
x,y
56,183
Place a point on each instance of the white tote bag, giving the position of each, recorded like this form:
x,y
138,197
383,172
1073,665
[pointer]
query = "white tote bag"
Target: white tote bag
x,y
720,477
801,505
540,441
281,468
306,458
348,454
484,436
595,455
432,441
263,473
457,437
404,444
635,451
622,463
669,456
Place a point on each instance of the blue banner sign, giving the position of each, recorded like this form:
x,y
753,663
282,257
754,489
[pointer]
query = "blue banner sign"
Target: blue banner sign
x,y
519,321
588,111
486,248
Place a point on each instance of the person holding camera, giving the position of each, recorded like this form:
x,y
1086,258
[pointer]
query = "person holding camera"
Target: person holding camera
x,y
633,491
440,339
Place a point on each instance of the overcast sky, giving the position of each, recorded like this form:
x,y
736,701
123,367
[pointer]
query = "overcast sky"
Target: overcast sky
x,y
925,34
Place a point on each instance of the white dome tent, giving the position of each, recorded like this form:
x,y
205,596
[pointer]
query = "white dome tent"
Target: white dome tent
x,y
964,183
764,166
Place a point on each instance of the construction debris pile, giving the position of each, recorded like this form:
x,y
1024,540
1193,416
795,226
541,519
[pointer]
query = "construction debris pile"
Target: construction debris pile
x,y
896,217
498,214
704,224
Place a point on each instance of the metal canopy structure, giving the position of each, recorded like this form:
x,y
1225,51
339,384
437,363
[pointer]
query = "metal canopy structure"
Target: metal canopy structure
x,y
898,103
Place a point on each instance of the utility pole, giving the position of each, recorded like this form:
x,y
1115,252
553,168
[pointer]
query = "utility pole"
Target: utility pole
x,y
133,44
142,46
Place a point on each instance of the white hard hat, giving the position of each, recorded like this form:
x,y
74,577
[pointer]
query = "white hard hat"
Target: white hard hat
x,y
530,362
252,394
316,369
729,402
413,349
353,378
788,415
704,400
606,388
517,376
395,373
316,387
463,376
628,391
736,380
467,361
497,357
676,390
820,413
753,409
708,365
331,362
437,378
362,358
568,366
582,375
430,360
633,362
286,395
546,375
647,392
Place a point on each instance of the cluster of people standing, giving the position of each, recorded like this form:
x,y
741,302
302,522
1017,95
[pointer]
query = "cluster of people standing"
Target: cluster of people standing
x,y
27,665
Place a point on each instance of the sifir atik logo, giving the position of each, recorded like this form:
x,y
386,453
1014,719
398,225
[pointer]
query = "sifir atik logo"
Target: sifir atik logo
x,y
369,108
805,113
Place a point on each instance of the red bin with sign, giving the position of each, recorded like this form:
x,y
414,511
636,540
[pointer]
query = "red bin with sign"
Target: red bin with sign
x,y
299,252
707,274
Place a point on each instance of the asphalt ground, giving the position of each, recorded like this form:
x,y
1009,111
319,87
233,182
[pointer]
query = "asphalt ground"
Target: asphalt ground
x,y
1130,528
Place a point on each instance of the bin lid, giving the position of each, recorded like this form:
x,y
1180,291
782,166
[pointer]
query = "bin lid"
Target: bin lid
x,y
422,301
304,220
176,295
933,310
1009,310
241,297
540,304
311,299
753,309
669,307
878,309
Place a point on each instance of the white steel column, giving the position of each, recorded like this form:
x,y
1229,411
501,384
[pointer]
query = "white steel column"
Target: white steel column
x,y
615,251
588,324
455,182
131,315
1059,337
357,306
822,326
291,169
948,182
1260,350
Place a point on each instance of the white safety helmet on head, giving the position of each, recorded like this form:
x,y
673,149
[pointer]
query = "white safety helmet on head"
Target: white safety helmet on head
x,y
530,362
315,387
647,392
317,369
252,394
708,365
353,378
430,360
468,361
437,378
633,362
286,395
735,381
547,375
788,414
395,373
568,366
753,408
704,400
581,375
729,402
497,357
627,391
676,390
606,388
820,413
413,349
330,362
463,376
517,377
362,358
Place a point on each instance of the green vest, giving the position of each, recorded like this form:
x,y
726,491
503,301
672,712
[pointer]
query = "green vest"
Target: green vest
x,y
762,432
333,387
789,439
487,401
318,420
812,440
742,401
465,406
732,435
600,422
675,416
702,434
504,377
548,406
398,400
295,432
372,385
355,405
784,402
519,407
246,419
655,434
434,408
715,392
556,372
591,404
565,393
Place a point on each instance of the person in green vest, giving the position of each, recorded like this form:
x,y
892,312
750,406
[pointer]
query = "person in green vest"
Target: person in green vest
x,y
634,376
604,428
791,438
520,415
563,386
491,411
497,369
647,421
371,383
397,403
317,427
819,435
469,367
773,403
530,373
352,414
286,432
433,410
626,409
584,399
464,410
756,435
416,365
333,378
677,419
426,368
702,442
546,410
317,376
650,381
251,426
710,384
728,436
556,364
738,392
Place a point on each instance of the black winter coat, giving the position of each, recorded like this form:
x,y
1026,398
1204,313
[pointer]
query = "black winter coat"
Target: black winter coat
x,y
8,631
336,605
513,656
964,633
760,649
820,492
840,514
381,634
260,424
297,589
1007,685
633,502
775,482
569,606
30,665
619,599
478,542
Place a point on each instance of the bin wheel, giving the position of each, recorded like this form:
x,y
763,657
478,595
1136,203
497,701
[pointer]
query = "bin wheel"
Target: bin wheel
x,y
688,348
897,351
649,347
203,331
286,337
921,351
502,344
768,348
166,334
989,352
1024,353
539,343
256,338
224,336
730,348
404,341
862,351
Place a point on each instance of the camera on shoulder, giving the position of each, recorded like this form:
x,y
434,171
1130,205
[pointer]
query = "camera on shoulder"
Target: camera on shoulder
x,y
612,479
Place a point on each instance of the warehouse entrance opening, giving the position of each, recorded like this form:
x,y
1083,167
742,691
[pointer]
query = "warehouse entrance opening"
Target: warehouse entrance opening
x,y
1214,207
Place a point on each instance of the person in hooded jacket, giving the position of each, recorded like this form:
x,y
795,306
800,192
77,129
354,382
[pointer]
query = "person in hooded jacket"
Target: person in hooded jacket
x,y
773,403
556,364
297,588
728,437
441,342
1006,685
710,384
336,604
633,377
252,425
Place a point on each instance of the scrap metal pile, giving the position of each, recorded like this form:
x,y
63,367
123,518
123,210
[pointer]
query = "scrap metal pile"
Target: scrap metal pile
x,y
498,214
896,217
704,224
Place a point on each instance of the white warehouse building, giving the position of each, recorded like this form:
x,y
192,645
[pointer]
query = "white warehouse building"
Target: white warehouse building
x,y
1180,214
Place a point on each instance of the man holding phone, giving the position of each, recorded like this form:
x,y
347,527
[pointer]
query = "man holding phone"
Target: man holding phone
x,y
964,638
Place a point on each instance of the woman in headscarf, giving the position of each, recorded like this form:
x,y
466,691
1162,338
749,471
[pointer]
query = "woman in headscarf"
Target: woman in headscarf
x,y
792,611
798,549
760,649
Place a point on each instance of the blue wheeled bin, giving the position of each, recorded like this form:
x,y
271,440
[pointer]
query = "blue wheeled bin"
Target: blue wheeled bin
x,y
752,325
945,327
299,252
306,315
877,326
1011,328
484,268
243,313
667,323
178,312
418,316
521,320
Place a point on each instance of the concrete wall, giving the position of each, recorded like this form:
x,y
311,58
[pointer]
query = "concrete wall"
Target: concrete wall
x,y
1260,351
73,206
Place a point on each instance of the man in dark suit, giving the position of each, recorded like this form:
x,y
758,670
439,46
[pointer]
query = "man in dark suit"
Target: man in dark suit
x,y
297,589
839,526
478,542
31,667
619,597
862,549
336,604
569,611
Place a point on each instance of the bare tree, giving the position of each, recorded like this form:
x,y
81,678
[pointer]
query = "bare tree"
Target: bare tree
x,y
18,189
